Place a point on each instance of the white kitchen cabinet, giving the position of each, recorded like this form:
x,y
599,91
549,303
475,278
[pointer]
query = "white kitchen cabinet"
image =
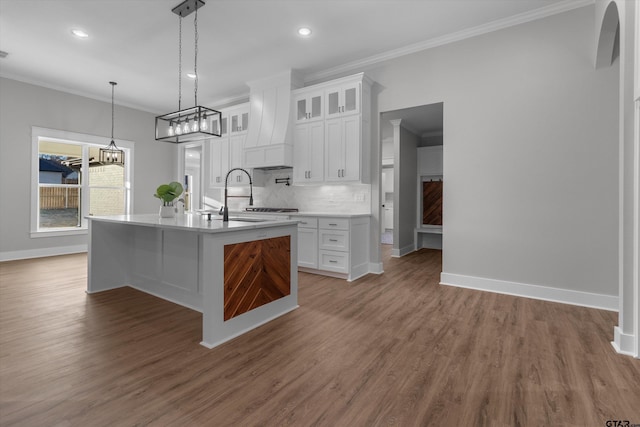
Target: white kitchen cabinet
x,y
308,242
388,217
337,247
308,106
347,133
342,149
308,153
221,127
236,145
226,152
218,155
343,100
239,119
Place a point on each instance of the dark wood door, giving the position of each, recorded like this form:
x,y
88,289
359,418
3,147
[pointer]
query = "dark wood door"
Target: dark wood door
x,y
432,202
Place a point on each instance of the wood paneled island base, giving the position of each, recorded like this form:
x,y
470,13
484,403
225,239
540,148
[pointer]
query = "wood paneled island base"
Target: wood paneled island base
x,y
239,275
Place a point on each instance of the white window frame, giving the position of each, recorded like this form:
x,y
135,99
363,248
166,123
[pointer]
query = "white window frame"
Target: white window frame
x,y
86,141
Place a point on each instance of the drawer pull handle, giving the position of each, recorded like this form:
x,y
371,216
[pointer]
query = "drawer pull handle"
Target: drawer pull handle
x,y
333,240
333,261
333,225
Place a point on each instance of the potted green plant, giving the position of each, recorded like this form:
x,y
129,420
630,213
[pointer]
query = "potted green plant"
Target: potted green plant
x,y
168,193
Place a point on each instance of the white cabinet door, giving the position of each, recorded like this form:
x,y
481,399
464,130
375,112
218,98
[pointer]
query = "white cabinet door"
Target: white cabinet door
x,y
388,217
239,119
218,161
343,100
236,145
308,106
342,149
307,247
221,127
308,152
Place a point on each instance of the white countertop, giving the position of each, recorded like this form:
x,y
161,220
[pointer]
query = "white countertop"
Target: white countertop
x,y
331,214
294,214
190,222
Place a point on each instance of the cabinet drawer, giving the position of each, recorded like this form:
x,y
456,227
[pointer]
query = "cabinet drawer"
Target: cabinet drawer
x,y
334,240
334,261
306,222
334,223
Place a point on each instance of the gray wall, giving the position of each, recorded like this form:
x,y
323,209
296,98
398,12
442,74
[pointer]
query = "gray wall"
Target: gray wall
x,y
23,106
530,151
405,183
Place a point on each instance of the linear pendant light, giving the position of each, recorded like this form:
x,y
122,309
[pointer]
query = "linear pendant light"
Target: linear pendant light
x,y
198,122
111,154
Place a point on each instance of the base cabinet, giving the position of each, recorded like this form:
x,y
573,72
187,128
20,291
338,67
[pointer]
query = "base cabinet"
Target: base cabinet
x,y
307,246
332,246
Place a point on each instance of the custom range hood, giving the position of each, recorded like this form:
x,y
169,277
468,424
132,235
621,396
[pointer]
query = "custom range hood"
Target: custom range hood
x,y
269,142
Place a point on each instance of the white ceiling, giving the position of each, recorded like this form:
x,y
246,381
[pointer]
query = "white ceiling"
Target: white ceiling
x,y
135,42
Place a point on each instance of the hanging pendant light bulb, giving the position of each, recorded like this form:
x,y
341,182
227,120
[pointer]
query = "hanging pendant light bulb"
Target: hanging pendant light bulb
x,y
111,154
199,129
203,124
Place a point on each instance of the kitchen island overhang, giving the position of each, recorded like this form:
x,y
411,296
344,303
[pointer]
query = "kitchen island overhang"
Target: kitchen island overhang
x,y
238,274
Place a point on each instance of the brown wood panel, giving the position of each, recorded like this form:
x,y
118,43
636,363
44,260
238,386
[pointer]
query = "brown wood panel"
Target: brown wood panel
x,y
393,349
256,273
432,202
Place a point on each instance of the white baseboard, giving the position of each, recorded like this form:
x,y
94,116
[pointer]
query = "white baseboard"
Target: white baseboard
x,y
42,252
565,296
397,253
623,343
376,268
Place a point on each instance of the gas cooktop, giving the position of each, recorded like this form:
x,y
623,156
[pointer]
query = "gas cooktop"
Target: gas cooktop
x,y
271,210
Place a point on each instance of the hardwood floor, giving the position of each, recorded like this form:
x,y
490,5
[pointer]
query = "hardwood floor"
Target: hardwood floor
x,y
395,349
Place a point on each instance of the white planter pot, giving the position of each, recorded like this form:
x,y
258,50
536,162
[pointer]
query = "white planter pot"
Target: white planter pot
x,y
167,211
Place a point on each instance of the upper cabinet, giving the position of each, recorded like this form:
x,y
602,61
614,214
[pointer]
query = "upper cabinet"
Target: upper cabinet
x,y
308,153
335,146
222,127
308,106
343,100
239,118
225,153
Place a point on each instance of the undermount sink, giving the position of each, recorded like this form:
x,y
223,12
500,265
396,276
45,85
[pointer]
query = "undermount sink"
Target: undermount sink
x,y
242,219
248,219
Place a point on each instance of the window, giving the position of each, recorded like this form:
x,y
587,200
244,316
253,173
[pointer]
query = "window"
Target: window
x,y
69,183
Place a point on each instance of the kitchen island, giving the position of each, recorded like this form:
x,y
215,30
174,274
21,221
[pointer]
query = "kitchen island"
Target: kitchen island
x,y
238,274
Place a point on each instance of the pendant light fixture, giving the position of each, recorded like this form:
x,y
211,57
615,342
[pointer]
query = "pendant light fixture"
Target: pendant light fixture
x,y
195,123
111,154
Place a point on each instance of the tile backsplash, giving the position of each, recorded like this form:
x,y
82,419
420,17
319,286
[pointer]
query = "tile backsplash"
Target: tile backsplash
x,y
340,198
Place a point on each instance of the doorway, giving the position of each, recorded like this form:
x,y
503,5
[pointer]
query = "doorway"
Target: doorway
x,y
412,159
192,178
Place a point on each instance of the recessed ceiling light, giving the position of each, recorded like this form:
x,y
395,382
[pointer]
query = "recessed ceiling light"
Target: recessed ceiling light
x,y
79,33
191,75
304,31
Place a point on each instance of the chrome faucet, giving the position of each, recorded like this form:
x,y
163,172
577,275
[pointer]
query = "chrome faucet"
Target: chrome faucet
x,y
225,212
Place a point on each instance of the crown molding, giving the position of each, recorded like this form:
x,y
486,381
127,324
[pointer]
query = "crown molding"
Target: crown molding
x,y
543,12
220,103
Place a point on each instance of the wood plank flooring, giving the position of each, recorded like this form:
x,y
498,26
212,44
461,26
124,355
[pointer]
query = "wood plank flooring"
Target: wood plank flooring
x,y
395,350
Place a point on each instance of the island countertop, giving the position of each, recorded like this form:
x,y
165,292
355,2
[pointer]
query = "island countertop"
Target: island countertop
x,y
193,222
